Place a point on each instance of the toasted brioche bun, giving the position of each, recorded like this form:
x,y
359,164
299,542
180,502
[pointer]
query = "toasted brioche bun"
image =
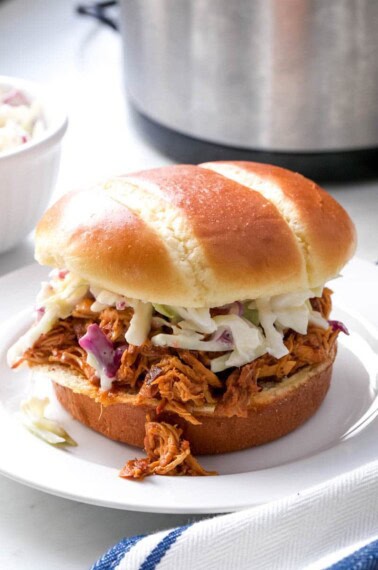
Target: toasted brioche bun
x,y
199,236
274,412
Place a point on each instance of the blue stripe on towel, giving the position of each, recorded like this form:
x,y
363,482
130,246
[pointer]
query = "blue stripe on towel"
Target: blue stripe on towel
x,y
366,558
114,556
162,548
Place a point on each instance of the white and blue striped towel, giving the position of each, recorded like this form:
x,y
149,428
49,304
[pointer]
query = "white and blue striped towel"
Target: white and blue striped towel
x,y
334,525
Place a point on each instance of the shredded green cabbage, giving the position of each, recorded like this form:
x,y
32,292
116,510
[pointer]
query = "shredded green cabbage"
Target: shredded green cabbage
x,y
56,300
34,419
251,314
257,327
165,310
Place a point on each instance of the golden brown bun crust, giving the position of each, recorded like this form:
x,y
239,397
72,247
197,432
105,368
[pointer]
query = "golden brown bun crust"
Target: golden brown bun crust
x,y
199,235
272,414
322,226
100,240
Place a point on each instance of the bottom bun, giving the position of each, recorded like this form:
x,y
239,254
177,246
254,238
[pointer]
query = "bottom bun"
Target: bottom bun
x,y
274,412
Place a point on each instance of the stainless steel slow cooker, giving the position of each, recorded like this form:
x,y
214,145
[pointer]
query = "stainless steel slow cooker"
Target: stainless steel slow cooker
x,y
268,75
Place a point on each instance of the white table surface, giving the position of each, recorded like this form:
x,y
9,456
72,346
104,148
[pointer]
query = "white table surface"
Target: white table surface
x,y
45,41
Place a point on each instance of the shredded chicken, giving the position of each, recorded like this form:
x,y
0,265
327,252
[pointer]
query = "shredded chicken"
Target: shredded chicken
x,y
180,380
167,454
115,323
59,346
240,386
137,361
304,350
323,304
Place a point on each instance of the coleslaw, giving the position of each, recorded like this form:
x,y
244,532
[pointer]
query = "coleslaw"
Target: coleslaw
x,y
242,331
20,119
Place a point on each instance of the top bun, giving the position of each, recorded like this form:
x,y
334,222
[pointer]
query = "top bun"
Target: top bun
x,y
199,236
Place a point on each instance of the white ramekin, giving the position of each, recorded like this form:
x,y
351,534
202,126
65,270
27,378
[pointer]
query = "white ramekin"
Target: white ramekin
x,y
28,173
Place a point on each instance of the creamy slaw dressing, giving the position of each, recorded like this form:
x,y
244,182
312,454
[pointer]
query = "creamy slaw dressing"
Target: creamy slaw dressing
x,y
56,300
248,330
20,119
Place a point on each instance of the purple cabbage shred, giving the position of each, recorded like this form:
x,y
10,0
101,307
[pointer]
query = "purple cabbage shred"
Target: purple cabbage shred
x,y
224,336
338,326
40,311
97,343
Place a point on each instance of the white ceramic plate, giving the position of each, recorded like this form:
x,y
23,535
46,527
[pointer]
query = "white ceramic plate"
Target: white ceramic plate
x,y
341,436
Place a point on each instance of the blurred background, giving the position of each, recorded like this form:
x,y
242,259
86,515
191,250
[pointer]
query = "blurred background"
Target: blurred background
x,y
291,82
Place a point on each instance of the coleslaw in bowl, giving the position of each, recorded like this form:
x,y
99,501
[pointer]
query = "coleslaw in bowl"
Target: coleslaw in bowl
x,y
32,125
21,118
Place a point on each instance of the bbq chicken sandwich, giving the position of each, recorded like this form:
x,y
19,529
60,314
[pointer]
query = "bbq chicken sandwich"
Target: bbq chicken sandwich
x,y
187,309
